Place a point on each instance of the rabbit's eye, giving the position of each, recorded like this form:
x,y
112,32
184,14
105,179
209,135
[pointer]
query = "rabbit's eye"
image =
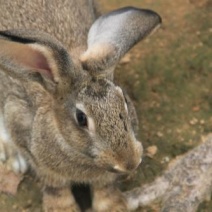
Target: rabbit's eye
x,y
81,118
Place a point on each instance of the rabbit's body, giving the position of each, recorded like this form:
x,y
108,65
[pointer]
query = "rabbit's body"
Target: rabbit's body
x,y
60,111
67,20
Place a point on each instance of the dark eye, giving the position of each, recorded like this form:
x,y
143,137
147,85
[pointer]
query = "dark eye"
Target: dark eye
x,y
81,118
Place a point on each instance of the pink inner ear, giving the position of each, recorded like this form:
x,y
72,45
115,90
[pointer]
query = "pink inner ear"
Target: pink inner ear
x,y
37,61
26,56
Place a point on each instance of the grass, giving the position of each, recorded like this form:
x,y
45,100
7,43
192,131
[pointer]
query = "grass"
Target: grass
x,y
171,84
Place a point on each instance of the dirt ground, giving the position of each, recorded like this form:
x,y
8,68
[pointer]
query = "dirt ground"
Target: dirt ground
x,y
169,78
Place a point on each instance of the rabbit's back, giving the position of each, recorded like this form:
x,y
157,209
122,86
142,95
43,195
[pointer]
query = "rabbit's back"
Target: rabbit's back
x,y
67,20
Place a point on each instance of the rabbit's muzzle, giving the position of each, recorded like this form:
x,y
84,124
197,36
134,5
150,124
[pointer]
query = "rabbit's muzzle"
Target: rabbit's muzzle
x,y
122,161
130,161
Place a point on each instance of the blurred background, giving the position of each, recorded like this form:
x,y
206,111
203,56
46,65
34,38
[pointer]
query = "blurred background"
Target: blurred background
x,y
169,78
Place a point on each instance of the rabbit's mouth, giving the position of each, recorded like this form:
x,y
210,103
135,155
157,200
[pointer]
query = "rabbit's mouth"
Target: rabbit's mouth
x,y
113,169
120,170
117,171
115,164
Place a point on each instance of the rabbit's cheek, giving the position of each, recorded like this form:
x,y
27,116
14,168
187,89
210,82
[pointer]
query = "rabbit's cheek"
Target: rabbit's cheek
x,y
138,149
104,160
138,152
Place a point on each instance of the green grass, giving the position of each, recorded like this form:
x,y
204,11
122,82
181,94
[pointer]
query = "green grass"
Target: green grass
x,y
167,84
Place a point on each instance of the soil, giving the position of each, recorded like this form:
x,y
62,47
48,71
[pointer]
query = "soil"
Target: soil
x,y
169,77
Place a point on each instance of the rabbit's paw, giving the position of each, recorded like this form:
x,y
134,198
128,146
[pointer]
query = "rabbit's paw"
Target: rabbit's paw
x,y
11,158
109,199
59,200
17,163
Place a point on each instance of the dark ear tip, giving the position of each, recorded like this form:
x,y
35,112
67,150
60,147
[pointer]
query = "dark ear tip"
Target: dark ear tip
x,y
152,15
143,12
157,17
145,16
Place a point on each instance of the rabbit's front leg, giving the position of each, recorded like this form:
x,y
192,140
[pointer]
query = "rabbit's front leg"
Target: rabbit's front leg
x,y
108,198
10,156
59,200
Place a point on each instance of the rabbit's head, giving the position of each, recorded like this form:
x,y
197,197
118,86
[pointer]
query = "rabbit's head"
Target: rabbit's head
x,y
81,117
101,112
101,105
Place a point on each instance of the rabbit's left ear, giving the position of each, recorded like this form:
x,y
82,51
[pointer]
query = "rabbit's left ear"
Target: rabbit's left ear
x,y
29,55
113,34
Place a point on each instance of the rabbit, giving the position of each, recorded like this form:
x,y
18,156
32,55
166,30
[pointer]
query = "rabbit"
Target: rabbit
x,y
60,111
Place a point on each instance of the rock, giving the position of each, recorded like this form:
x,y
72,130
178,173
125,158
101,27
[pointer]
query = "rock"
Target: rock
x,y
193,121
151,150
159,134
196,108
126,59
202,122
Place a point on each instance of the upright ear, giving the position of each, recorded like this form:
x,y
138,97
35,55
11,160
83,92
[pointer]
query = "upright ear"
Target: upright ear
x,y
28,55
113,34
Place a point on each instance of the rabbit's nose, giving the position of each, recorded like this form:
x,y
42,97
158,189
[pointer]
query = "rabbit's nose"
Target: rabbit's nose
x,y
131,166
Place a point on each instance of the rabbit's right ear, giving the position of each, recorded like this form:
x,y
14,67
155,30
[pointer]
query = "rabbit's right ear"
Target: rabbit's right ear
x,y
34,55
113,34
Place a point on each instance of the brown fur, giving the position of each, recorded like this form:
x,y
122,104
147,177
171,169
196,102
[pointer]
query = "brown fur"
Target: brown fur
x,y
42,87
43,127
57,18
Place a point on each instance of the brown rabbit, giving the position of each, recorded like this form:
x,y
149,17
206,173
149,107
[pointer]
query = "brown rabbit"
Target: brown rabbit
x,y
60,111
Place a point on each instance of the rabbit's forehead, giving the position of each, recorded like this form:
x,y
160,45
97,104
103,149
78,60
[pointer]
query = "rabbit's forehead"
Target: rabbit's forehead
x,y
100,91
102,98
110,106
104,101
107,107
